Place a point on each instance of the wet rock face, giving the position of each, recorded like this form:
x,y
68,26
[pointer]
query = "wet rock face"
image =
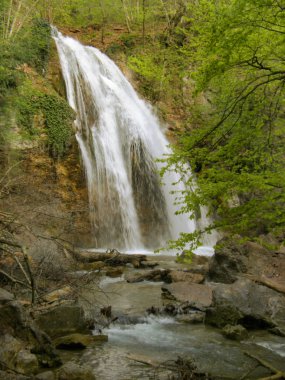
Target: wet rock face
x,y
247,303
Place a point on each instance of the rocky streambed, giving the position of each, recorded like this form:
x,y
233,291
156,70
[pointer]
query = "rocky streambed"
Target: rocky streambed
x,y
226,314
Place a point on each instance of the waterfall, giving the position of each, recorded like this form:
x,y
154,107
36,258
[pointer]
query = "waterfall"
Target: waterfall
x,y
120,140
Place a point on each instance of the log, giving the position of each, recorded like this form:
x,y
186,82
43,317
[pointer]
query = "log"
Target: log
x,y
110,257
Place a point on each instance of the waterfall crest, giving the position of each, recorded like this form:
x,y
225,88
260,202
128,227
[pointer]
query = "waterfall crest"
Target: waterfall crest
x,y
120,140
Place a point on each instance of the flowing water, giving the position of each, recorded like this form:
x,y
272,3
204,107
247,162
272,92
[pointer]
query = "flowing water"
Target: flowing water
x,y
160,339
120,141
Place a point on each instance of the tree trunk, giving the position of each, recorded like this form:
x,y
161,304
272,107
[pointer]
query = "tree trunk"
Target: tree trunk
x,y
127,18
143,23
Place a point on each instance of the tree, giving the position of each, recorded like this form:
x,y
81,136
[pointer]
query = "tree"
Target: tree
x,y
234,140
15,15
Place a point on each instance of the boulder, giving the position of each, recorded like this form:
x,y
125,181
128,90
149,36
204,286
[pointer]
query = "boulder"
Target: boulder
x,y
62,320
234,258
230,259
236,332
73,371
196,295
247,303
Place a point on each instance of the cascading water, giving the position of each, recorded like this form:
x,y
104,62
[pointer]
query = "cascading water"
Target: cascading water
x,y
120,140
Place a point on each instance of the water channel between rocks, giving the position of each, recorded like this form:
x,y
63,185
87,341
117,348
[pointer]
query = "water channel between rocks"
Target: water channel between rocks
x,y
163,338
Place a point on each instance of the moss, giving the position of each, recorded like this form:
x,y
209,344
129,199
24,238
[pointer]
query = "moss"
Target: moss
x,y
58,118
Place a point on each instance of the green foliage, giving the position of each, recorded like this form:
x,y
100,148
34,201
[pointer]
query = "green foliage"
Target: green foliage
x,y
58,118
38,46
129,40
27,107
31,48
234,140
56,113
8,81
151,74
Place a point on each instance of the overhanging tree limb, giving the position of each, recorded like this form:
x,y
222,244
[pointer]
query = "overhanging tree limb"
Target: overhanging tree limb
x,y
229,111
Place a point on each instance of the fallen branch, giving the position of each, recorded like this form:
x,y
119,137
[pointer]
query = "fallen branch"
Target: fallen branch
x,y
112,257
32,280
144,360
22,269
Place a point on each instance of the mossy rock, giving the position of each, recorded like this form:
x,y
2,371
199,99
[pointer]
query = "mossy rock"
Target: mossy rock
x,y
237,332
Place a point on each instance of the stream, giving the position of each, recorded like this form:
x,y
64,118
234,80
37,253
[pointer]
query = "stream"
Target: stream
x,y
137,335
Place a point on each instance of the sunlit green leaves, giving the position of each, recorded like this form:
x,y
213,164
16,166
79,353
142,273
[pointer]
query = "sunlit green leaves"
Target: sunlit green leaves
x,y
235,139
